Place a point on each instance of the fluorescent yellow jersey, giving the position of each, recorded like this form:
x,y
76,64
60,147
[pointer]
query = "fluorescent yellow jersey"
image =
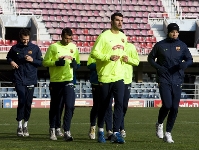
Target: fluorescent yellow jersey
x,y
106,45
77,58
133,60
59,73
90,60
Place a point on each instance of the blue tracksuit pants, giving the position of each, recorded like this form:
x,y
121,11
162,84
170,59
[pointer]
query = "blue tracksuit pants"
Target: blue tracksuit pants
x,y
127,88
170,95
25,96
95,107
61,91
106,91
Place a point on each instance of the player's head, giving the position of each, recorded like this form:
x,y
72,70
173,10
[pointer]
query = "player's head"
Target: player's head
x,y
173,30
116,21
24,35
66,36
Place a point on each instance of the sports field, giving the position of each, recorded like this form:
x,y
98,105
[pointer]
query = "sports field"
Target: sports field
x,y
140,128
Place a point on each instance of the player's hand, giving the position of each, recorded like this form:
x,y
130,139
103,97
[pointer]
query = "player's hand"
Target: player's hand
x,y
60,62
14,65
125,58
29,58
114,57
66,57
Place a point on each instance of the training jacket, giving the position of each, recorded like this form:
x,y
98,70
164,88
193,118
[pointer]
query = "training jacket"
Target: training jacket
x,y
106,45
59,73
26,74
170,53
133,60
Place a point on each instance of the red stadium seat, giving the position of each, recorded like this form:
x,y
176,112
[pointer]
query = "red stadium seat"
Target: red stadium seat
x,y
88,38
59,18
134,39
48,24
91,44
148,39
150,32
75,37
79,44
13,42
142,45
149,45
85,31
34,42
85,44
140,39
7,42
40,43
73,30
153,39
55,37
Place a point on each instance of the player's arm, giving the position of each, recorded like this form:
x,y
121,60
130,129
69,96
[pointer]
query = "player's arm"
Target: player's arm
x,y
37,61
10,59
133,58
99,45
48,61
91,63
77,58
152,56
188,59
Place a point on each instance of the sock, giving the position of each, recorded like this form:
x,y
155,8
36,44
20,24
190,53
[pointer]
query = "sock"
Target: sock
x,y
25,124
101,129
20,124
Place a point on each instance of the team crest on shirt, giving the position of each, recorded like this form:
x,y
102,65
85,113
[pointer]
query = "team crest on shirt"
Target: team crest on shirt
x,y
71,50
178,48
122,40
30,52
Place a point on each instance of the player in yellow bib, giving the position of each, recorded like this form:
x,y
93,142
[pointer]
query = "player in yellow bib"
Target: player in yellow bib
x,y
60,58
132,60
108,51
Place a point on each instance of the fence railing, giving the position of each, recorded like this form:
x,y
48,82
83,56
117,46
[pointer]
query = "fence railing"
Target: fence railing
x,y
145,90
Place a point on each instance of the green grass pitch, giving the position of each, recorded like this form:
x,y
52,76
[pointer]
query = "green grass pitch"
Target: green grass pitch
x,y
140,129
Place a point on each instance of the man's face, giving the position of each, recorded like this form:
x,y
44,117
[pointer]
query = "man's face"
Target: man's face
x,y
173,34
66,39
25,39
117,23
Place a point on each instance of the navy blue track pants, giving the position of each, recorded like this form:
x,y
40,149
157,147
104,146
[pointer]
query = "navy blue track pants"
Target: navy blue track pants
x,y
170,95
25,96
61,91
95,107
106,91
58,117
127,88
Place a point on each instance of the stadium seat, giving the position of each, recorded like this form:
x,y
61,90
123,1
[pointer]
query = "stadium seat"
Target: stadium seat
x,y
149,45
13,42
91,44
7,43
140,39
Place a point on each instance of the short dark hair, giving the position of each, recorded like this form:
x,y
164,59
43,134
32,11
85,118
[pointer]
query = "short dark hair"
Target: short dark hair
x,y
67,31
24,32
116,14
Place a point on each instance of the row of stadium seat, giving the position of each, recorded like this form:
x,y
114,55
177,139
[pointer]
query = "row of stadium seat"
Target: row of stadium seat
x,y
101,2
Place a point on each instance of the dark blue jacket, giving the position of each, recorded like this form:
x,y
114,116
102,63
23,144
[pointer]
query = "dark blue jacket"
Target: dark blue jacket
x,y
170,53
26,74
93,75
